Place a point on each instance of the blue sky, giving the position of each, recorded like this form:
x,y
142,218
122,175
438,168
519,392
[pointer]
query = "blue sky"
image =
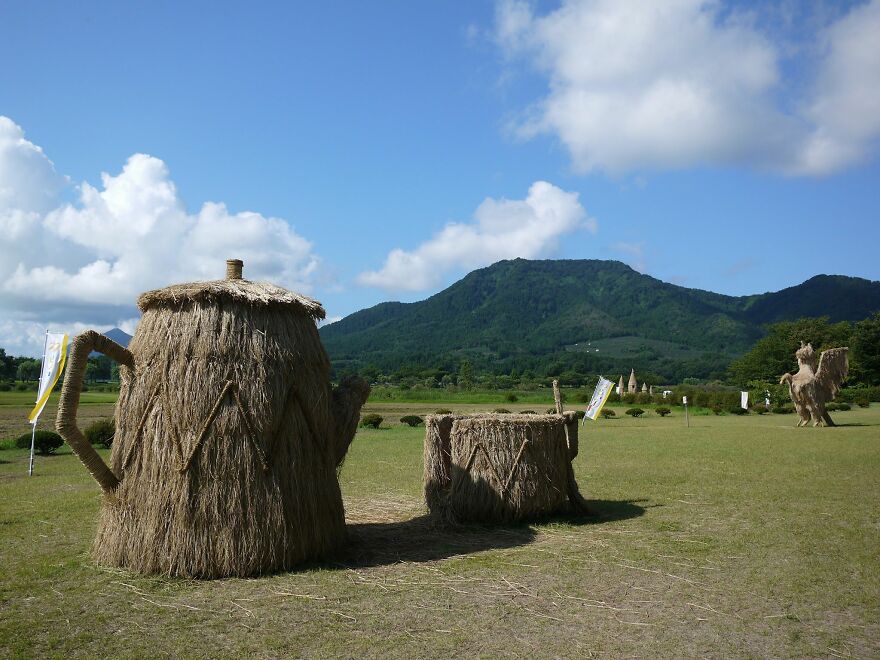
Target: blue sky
x,y
363,152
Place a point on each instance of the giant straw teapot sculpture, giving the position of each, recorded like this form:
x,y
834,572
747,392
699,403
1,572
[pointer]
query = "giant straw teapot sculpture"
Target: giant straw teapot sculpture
x,y
813,386
228,433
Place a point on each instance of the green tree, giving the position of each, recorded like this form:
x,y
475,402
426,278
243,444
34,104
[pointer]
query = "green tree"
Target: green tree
x,y
91,371
7,370
370,373
28,370
865,351
773,355
465,374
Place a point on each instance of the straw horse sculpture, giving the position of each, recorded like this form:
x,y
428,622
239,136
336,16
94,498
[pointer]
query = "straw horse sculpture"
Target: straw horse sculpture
x,y
813,386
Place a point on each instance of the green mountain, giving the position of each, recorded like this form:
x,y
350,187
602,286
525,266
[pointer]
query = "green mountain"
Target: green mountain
x,y
579,315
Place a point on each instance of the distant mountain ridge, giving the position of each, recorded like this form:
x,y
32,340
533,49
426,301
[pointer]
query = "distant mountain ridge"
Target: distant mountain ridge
x,y
121,337
118,335
521,314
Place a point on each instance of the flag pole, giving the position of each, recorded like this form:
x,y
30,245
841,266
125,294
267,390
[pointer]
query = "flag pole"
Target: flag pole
x,y
34,424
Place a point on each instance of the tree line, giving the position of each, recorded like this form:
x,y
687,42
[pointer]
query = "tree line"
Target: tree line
x,y
773,355
763,364
761,367
26,370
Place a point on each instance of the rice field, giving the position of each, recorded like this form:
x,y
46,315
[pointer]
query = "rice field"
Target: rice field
x,y
736,537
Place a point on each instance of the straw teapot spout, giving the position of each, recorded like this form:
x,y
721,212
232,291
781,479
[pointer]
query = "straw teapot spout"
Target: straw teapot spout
x,y
348,399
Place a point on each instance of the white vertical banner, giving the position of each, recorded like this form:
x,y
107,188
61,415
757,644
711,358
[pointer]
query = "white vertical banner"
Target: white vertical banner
x,y
53,364
600,396
744,400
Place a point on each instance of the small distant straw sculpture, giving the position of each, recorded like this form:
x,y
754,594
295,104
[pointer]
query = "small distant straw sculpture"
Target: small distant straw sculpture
x,y
228,434
816,384
501,467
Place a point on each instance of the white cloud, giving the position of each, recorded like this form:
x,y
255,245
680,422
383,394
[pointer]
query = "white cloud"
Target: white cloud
x,y
635,253
682,83
28,181
845,109
502,229
84,264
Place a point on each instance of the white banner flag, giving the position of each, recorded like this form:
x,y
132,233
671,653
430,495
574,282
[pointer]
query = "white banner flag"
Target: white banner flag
x,y
744,400
600,396
53,365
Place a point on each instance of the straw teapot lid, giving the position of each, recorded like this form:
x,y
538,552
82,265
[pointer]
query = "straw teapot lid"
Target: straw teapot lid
x,y
232,289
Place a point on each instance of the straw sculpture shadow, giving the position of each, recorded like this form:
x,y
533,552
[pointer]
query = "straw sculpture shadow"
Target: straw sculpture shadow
x,y
423,539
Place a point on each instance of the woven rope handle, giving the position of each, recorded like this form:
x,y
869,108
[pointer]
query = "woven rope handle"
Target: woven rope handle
x,y
65,421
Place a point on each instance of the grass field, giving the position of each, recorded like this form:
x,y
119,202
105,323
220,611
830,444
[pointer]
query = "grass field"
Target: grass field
x,y
736,537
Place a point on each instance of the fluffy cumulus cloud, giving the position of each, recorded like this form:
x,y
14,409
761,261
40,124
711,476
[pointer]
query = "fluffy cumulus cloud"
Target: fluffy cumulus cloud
x,y
680,83
83,264
501,229
845,106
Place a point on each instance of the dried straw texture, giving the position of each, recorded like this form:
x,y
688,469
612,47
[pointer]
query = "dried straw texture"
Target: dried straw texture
x,y
231,290
348,399
812,387
497,468
437,459
68,403
226,443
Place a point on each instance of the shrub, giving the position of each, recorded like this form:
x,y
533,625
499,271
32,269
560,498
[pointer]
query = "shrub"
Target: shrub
x,y
831,407
635,412
862,403
583,397
856,394
513,398
738,410
607,413
5,387
101,432
501,411
717,409
442,411
662,411
21,387
411,420
844,406
371,421
783,410
45,442
580,414
760,409
527,412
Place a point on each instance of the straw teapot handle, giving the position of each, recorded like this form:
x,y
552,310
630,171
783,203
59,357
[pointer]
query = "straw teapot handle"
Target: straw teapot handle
x,y
65,422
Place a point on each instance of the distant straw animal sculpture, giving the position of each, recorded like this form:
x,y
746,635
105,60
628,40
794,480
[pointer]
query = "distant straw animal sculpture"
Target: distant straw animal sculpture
x,y
499,467
228,434
813,386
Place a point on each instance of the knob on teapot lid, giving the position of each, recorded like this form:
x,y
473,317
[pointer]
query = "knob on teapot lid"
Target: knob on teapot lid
x,y
233,269
232,289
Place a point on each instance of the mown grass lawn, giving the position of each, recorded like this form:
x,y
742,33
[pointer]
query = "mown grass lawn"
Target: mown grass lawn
x,y
735,537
